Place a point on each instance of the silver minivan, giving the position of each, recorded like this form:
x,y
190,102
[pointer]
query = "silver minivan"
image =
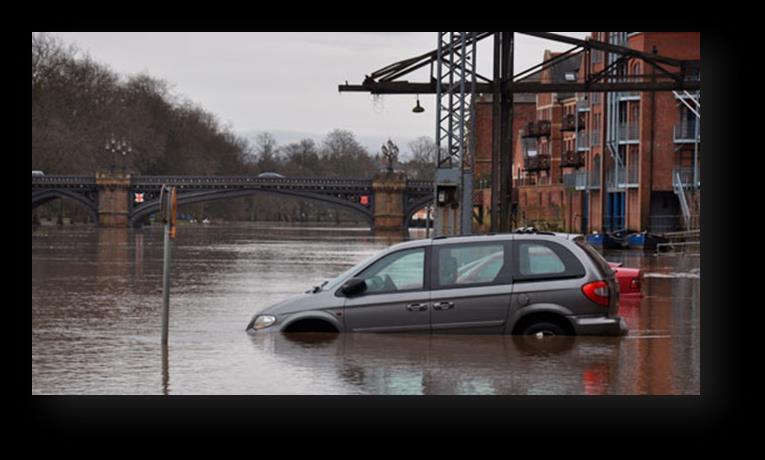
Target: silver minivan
x,y
524,284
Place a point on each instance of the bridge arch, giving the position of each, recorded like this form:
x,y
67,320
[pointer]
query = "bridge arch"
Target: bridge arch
x,y
211,195
416,206
44,196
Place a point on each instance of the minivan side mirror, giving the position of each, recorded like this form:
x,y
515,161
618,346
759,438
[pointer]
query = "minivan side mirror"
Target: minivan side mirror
x,y
353,287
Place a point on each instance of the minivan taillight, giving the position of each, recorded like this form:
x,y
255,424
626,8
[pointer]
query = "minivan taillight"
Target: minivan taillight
x,y
598,292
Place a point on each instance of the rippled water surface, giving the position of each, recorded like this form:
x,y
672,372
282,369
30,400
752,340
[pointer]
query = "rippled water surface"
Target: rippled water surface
x,y
96,300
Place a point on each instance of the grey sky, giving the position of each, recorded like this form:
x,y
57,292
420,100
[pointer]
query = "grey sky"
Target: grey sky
x,y
286,83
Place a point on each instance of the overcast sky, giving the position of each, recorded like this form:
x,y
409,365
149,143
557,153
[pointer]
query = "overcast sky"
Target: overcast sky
x,y
286,83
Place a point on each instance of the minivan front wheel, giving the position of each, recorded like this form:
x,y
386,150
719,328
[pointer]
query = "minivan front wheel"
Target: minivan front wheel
x,y
547,329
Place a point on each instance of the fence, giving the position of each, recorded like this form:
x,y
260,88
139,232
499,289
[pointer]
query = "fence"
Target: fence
x,y
673,223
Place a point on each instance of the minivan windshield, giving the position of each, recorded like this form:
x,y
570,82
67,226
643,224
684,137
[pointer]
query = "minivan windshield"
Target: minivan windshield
x,y
341,277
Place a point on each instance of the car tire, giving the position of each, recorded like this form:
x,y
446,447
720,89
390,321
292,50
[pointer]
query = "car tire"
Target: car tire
x,y
545,327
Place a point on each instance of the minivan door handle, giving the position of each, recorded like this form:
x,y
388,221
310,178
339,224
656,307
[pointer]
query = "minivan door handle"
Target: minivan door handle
x,y
443,305
417,307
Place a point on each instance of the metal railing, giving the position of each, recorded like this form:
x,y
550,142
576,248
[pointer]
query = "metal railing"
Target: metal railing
x,y
572,122
582,140
686,132
541,128
688,177
625,178
578,180
629,132
629,96
571,159
673,223
537,162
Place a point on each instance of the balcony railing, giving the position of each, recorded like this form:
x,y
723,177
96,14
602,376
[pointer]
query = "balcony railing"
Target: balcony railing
x,y
688,177
539,128
582,105
629,96
531,180
571,159
686,133
582,141
625,178
629,132
537,162
570,122
580,180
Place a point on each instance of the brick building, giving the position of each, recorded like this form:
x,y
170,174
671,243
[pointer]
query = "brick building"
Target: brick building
x,y
648,143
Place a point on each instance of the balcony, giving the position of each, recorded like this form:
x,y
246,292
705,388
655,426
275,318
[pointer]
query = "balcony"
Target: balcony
x,y
686,133
629,96
539,128
581,180
571,159
572,123
689,178
629,133
583,141
625,178
537,162
531,180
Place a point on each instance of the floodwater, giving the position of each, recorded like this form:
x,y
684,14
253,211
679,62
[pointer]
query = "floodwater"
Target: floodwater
x,y
96,301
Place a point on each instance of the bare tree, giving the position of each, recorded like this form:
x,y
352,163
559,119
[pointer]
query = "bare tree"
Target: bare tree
x,y
422,165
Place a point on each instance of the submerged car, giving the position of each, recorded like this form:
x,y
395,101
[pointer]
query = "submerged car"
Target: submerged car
x,y
629,280
524,284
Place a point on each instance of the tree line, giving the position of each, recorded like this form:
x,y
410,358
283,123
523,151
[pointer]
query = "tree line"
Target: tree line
x,y
79,104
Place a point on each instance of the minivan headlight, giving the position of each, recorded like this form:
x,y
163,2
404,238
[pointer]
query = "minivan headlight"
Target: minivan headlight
x,y
264,321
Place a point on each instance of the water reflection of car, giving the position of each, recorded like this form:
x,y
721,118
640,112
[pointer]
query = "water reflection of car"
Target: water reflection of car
x,y
270,175
489,284
451,364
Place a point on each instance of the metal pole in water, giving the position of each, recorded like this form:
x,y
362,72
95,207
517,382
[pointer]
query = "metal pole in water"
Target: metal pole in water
x,y
166,285
167,210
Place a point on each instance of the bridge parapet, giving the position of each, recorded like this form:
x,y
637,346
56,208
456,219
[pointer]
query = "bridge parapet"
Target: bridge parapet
x,y
116,199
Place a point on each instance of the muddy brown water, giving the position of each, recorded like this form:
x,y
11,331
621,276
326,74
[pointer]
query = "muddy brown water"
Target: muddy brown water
x,y
96,299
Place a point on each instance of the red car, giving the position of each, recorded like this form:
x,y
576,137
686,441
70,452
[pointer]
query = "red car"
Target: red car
x,y
629,280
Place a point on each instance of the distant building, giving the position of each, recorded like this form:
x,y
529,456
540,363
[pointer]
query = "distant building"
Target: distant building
x,y
648,142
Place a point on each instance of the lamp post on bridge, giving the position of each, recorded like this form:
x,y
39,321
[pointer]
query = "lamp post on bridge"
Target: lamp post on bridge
x,y
118,147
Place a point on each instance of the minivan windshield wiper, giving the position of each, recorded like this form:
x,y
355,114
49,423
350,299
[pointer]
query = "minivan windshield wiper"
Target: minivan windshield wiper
x,y
318,288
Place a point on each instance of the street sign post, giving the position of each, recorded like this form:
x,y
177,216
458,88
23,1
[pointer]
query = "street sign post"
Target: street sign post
x,y
168,207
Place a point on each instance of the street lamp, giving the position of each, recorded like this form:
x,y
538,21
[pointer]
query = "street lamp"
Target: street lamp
x,y
418,108
120,147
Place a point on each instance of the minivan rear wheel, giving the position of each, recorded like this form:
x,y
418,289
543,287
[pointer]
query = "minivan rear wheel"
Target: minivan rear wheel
x,y
546,328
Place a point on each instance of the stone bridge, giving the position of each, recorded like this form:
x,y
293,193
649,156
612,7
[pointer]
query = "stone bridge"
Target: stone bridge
x,y
387,202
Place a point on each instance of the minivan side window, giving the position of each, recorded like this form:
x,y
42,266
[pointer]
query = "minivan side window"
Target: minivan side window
x,y
470,264
544,260
400,271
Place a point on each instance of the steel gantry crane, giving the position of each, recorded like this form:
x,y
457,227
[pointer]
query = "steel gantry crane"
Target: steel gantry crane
x,y
454,81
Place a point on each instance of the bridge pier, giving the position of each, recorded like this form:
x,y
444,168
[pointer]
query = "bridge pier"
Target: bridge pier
x,y
389,191
113,191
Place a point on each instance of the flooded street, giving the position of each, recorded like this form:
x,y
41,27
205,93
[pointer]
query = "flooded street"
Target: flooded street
x,y
96,300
